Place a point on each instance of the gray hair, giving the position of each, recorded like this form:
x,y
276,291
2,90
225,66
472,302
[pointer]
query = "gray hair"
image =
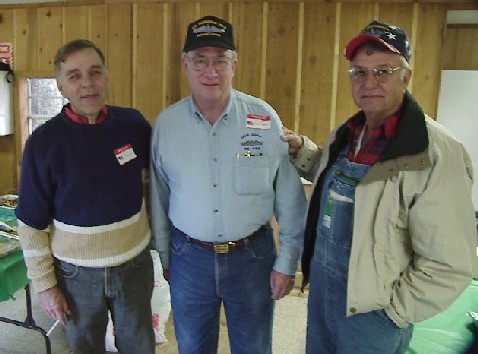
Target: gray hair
x,y
233,52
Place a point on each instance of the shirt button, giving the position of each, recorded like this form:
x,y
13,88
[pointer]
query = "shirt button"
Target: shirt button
x,y
353,309
214,159
213,134
216,210
215,185
220,235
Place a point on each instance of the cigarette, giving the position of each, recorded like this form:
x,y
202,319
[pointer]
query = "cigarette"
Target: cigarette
x,y
52,328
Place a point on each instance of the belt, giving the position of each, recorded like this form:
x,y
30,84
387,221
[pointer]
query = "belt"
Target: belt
x,y
225,247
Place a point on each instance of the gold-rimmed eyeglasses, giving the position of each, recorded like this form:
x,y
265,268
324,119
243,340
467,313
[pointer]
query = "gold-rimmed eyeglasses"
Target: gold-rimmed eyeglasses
x,y
380,73
201,63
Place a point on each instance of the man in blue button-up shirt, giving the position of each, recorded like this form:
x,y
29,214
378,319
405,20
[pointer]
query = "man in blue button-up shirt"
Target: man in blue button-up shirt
x,y
219,172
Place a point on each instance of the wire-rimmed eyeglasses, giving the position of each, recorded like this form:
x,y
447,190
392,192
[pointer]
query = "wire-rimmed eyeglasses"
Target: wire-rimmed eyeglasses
x,y
201,63
381,73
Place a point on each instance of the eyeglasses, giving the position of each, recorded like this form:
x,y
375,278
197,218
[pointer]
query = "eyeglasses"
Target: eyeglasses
x,y
381,73
201,63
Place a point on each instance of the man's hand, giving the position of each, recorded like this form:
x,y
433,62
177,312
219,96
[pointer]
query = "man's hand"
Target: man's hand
x,y
293,139
54,305
281,284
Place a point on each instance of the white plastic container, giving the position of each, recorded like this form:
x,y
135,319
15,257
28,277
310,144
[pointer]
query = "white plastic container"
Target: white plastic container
x,y
6,106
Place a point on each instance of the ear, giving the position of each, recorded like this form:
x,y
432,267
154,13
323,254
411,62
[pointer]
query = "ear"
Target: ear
x,y
59,86
184,64
234,65
406,77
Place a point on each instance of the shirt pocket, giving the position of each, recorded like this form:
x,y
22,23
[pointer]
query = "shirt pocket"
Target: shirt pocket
x,y
252,175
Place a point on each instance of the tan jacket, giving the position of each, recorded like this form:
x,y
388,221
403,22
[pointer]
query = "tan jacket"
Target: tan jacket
x,y
414,232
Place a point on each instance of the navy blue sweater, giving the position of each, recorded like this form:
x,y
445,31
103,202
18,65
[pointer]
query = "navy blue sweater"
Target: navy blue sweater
x,y
70,171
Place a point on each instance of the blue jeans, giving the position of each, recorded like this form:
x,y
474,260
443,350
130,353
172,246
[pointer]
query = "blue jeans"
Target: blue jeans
x,y
328,330
200,280
124,290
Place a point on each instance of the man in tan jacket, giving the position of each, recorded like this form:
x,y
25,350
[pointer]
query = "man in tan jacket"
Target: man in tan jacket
x,y
390,232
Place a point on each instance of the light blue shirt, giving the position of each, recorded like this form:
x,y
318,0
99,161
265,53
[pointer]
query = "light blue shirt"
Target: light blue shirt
x,y
221,182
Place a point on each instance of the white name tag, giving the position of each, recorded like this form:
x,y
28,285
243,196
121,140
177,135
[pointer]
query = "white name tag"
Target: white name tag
x,y
258,121
125,154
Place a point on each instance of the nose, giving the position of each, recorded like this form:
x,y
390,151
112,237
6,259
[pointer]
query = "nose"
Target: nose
x,y
370,79
210,70
86,81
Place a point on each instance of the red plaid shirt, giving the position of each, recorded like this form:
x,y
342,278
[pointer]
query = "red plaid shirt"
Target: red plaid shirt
x,y
83,120
380,136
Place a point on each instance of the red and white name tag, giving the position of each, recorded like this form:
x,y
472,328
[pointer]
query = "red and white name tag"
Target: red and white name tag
x,y
258,121
125,154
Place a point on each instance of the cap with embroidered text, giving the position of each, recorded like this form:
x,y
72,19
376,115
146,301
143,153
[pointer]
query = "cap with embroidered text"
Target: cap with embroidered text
x,y
209,31
392,37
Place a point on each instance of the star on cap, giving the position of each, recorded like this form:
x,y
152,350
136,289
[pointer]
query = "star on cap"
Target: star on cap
x,y
392,36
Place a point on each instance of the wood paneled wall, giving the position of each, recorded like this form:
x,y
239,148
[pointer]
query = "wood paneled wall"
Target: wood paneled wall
x,y
461,48
290,52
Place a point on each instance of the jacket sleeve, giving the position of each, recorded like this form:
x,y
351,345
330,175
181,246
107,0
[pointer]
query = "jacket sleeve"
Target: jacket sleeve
x,y
307,159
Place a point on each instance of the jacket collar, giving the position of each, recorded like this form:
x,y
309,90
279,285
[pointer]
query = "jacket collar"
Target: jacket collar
x,y
412,134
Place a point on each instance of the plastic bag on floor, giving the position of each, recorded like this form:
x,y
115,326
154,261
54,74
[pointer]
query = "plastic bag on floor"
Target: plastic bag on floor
x,y
110,336
160,305
160,301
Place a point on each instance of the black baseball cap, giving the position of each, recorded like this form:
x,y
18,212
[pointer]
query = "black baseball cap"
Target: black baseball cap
x,y
392,37
209,31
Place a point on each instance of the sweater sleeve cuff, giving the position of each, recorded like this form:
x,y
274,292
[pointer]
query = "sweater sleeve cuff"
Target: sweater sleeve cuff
x,y
44,283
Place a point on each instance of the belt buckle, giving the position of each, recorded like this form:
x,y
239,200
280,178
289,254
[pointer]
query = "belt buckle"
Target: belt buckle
x,y
221,247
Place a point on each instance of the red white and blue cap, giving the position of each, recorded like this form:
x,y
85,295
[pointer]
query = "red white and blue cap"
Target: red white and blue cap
x,y
392,37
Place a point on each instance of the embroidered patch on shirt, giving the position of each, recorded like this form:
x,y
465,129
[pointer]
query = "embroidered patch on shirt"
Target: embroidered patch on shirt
x,y
258,121
125,154
251,143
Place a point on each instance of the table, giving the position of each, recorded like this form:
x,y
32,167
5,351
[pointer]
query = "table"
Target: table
x,y
13,276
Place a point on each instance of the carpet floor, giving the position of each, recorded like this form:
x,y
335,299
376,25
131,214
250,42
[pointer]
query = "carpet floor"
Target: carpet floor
x,y
288,333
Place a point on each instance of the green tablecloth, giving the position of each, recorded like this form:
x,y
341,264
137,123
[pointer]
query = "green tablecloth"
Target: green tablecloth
x,y
449,332
13,274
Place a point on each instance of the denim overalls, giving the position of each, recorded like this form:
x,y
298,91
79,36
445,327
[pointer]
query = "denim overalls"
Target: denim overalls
x,y
328,330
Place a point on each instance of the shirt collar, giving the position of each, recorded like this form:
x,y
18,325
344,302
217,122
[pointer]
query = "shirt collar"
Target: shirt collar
x,y
83,120
387,129
195,110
